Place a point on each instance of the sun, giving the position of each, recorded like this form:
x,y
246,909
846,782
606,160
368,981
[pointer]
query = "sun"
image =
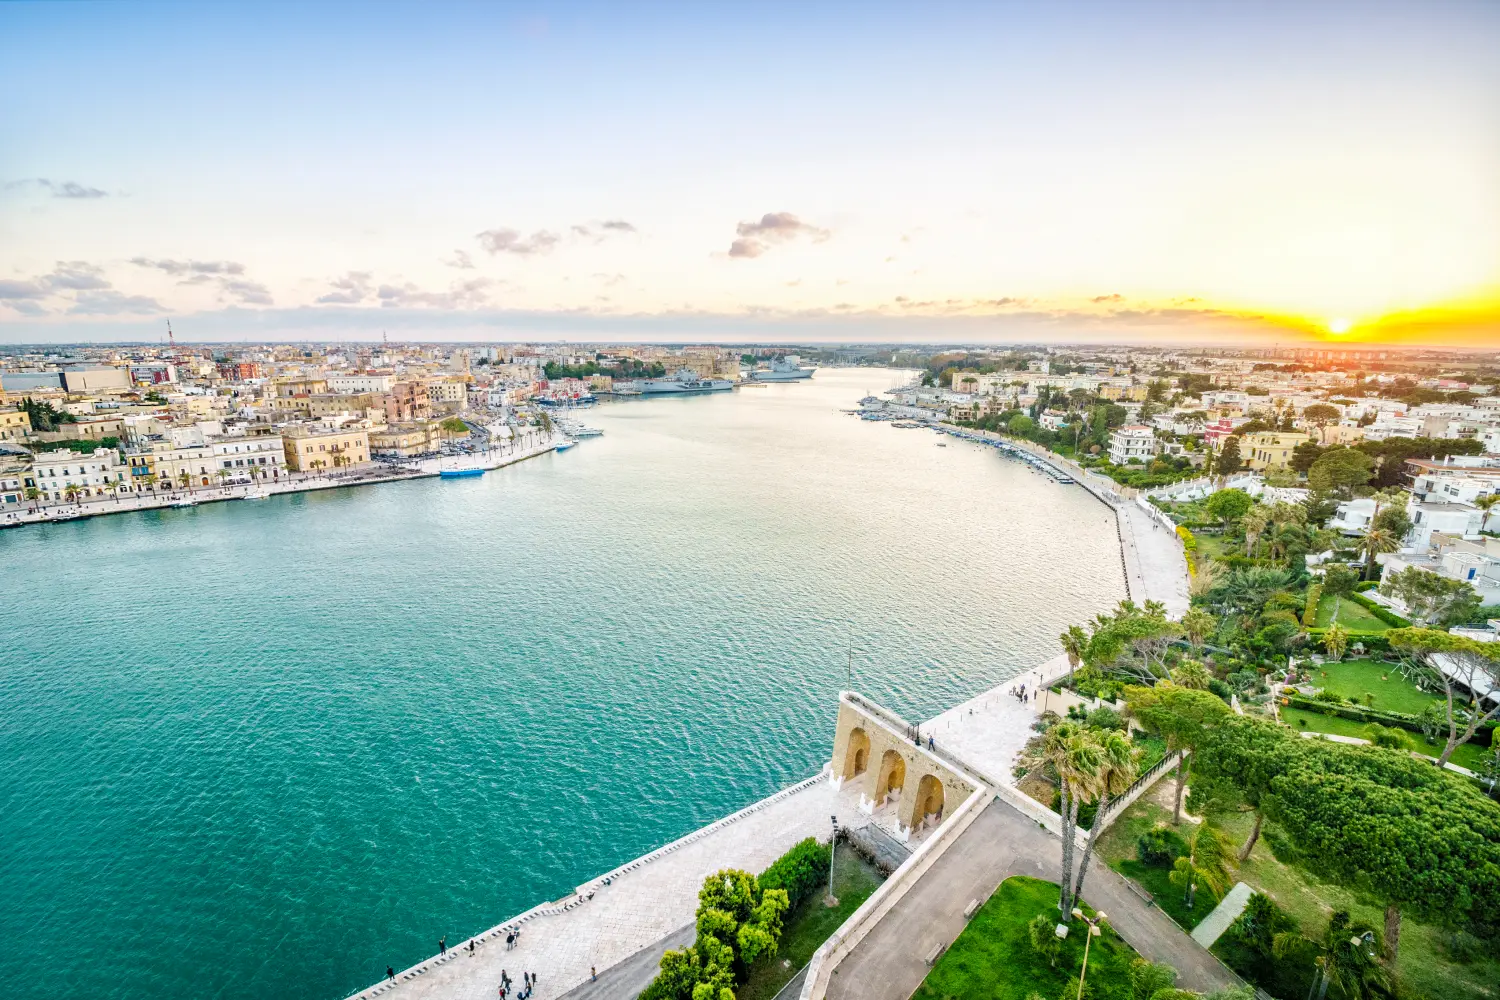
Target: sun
x,y
1338,326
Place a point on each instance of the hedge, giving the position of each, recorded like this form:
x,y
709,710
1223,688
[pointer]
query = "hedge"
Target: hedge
x,y
1358,713
1374,642
800,871
1384,614
1310,611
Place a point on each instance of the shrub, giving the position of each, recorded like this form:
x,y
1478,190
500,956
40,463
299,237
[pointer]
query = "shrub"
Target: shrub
x,y
1105,717
1310,610
1384,614
1463,947
1391,739
1160,847
799,871
1219,688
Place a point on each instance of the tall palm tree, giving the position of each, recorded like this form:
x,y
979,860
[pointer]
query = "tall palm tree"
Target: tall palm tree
x,y
1254,523
1376,540
1209,863
1075,642
1486,504
1198,623
1068,752
1119,764
1192,674
1349,956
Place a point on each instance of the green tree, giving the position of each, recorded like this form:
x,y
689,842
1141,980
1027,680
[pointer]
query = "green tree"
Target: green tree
x,y
1320,415
1304,456
1348,956
1228,506
1075,643
1198,624
1192,674
1394,520
1044,940
1067,752
454,427
1229,461
1463,668
1209,863
1339,580
1340,470
1376,541
1254,524
1184,716
1132,641
1336,640
1430,598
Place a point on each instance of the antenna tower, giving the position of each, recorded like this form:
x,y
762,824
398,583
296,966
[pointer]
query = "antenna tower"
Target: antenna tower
x,y
171,340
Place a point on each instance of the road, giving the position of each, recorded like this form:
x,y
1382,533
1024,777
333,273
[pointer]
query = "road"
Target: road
x,y
888,963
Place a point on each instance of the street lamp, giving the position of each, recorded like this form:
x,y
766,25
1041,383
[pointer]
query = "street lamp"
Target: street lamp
x,y
1094,931
833,845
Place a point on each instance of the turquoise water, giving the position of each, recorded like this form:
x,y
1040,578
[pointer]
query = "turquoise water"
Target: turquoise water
x,y
266,749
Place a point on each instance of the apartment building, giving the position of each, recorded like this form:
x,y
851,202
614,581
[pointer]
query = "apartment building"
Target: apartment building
x,y
1133,441
1270,449
319,449
59,474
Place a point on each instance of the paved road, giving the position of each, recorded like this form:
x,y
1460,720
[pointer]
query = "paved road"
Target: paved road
x,y
624,980
887,964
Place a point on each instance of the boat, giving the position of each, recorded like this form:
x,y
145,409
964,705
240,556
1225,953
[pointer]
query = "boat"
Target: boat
x,y
256,495
787,369
460,473
564,445
685,381
184,503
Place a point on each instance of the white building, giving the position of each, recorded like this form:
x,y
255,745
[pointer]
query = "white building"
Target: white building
x,y
356,384
244,458
1133,441
55,471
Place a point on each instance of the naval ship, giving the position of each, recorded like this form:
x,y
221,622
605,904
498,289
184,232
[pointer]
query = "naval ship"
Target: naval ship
x,y
787,369
686,380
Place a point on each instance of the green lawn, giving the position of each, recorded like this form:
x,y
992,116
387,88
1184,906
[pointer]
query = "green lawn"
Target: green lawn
x,y
1423,966
1465,755
993,958
1357,678
810,924
1348,614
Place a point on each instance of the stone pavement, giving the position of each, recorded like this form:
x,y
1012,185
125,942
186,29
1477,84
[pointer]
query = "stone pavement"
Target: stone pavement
x,y
642,908
987,731
888,963
626,979
1226,913
1154,561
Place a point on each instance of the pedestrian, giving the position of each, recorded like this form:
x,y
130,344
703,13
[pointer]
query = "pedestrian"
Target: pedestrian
x,y
390,973
443,945
471,947
930,745
510,939
593,975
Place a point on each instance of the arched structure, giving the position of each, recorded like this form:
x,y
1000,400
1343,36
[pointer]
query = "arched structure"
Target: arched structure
x,y
892,777
857,757
929,801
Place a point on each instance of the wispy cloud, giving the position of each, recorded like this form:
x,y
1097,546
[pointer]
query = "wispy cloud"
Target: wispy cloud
x,y
461,260
773,228
250,293
498,241
460,295
181,268
77,276
1112,297
61,189
111,302
352,288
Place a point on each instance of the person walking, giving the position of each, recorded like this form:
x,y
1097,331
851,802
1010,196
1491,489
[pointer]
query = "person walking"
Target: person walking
x,y
593,975
443,945
390,973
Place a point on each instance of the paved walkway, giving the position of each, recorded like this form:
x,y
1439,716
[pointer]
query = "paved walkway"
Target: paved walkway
x,y
1226,913
987,731
632,919
1154,560
888,963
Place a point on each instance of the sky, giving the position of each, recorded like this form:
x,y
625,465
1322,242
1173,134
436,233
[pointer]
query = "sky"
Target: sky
x,y
1194,172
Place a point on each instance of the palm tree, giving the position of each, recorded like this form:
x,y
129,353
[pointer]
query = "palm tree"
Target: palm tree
x,y
1067,751
1349,956
1118,767
1209,863
70,492
1486,504
1075,642
1376,540
1336,640
1192,674
1254,522
1198,623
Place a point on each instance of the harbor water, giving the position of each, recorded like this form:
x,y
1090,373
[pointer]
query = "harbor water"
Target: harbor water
x,y
267,749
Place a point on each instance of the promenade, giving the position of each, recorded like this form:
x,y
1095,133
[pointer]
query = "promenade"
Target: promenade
x,y
369,475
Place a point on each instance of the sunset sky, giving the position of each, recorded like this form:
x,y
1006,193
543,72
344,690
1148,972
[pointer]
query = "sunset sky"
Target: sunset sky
x,y
1204,172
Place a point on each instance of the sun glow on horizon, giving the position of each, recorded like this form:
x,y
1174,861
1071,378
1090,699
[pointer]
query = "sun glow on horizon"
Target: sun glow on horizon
x,y
1339,326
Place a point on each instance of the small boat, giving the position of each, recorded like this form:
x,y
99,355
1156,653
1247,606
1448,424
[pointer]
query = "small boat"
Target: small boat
x,y
184,503
564,445
460,473
256,495
942,444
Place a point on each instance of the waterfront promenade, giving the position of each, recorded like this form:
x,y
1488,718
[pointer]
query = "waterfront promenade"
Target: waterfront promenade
x,y
375,472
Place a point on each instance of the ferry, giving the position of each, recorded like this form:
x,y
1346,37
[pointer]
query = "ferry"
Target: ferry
x,y
787,369
685,381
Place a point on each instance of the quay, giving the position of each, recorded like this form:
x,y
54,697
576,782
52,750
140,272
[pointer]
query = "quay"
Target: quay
x,y
469,465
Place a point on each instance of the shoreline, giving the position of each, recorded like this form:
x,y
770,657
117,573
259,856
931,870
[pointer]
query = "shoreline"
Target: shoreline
x,y
375,475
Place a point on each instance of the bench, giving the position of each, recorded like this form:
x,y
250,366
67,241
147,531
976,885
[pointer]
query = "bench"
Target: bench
x,y
971,908
1145,896
936,953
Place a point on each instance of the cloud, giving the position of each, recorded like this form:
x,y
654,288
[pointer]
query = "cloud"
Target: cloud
x,y
250,293
498,241
773,228
61,189
76,276
196,268
110,302
460,295
16,291
461,260
352,288
617,225
1114,297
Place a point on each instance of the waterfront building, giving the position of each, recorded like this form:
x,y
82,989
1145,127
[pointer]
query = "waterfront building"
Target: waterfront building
x,y
1133,441
404,440
319,449
243,458
88,475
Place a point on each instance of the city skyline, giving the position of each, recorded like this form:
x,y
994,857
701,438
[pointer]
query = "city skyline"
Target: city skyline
x,y
953,174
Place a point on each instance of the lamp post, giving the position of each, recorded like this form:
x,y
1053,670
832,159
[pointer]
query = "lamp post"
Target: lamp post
x,y
1094,932
831,900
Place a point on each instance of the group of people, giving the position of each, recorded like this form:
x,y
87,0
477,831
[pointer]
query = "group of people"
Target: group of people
x,y
528,983
1020,694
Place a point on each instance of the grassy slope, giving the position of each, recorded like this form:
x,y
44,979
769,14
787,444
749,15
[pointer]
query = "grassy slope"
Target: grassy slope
x,y
993,958
1356,678
1423,966
1464,755
810,924
1349,615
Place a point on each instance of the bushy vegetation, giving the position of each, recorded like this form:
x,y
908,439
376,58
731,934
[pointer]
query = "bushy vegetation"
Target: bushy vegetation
x,y
800,871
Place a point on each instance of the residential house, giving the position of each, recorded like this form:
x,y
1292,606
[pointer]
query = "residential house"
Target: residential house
x,y
1132,442
1270,449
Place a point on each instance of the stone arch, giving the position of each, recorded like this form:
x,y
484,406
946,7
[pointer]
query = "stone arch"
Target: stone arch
x,y
857,758
892,776
929,799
